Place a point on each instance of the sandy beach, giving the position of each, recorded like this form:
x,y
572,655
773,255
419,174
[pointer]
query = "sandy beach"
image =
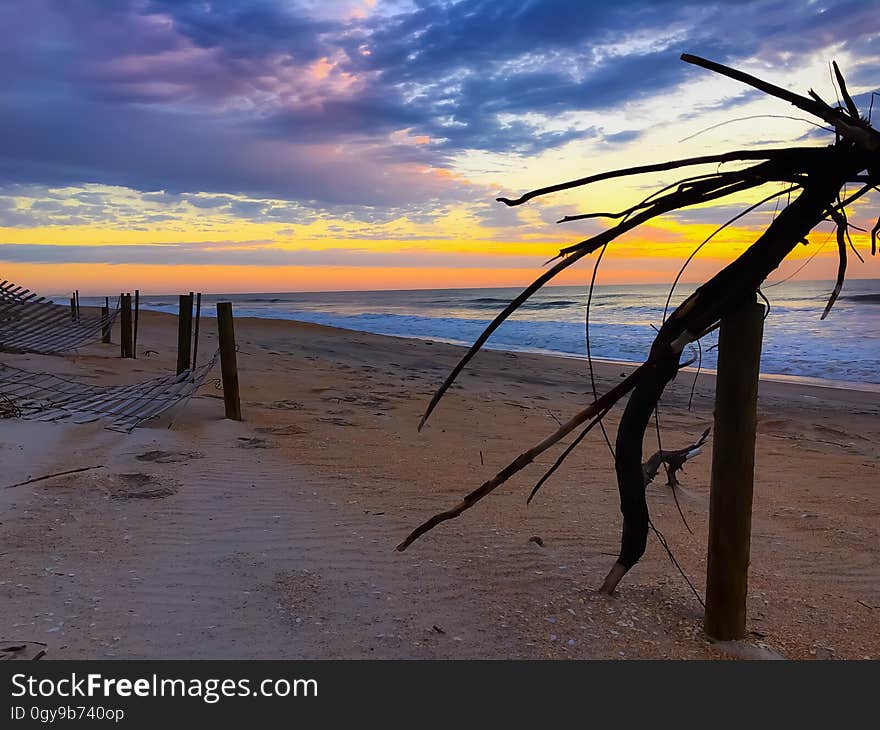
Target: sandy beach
x,y
201,537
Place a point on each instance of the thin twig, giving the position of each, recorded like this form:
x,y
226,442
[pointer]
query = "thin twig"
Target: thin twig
x,y
715,233
662,541
753,116
56,474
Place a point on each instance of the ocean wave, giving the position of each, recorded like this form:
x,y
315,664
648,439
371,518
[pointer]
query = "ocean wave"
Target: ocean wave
x,y
550,305
485,302
796,342
873,298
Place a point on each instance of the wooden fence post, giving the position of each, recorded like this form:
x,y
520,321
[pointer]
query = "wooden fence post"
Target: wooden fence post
x,y
78,313
184,332
196,336
105,313
228,362
733,471
73,309
125,345
137,309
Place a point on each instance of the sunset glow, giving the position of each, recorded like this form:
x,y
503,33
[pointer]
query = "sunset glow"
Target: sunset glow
x,y
357,145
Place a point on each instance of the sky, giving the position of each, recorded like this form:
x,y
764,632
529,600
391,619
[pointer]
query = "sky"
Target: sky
x,y
295,145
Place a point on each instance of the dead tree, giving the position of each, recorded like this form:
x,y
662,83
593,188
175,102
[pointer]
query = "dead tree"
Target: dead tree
x,y
817,174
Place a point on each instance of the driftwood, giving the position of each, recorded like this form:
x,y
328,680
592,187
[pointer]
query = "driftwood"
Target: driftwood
x,y
26,650
817,174
673,461
52,476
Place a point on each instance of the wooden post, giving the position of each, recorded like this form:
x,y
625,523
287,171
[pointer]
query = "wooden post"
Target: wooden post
x,y
78,313
228,362
733,471
184,332
125,344
196,336
105,313
73,309
137,309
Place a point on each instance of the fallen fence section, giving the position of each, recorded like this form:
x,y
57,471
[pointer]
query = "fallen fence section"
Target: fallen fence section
x,y
47,397
30,323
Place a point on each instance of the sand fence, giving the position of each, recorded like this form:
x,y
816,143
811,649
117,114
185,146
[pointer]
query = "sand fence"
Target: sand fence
x,y
47,397
32,324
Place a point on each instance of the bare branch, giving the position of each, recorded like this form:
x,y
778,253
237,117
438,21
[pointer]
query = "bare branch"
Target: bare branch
x,y
679,185
715,233
712,190
564,455
819,174
527,457
840,220
674,460
851,128
709,190
847,99
735,156
874,233
813,106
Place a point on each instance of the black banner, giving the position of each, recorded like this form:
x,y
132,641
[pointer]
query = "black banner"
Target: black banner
x,y
134,694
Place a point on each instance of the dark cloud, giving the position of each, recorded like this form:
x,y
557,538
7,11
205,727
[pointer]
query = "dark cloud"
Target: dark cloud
x,y
153,150
243,29
622,137
263,98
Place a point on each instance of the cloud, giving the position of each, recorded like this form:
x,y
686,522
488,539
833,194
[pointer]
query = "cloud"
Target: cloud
x,y
622,137
330,104
251,253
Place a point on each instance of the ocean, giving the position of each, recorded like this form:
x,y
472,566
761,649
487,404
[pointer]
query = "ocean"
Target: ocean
x,y
845,347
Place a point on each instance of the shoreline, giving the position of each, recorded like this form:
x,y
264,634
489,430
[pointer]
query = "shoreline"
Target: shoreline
x,y
805,380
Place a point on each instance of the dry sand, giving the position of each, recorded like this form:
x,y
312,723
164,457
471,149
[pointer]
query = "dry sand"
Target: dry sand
x,y
274,538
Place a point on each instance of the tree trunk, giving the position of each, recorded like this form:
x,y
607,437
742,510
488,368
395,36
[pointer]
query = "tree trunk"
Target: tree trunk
x,y
692,317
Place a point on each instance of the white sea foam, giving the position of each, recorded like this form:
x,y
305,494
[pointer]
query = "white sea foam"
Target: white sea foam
x,y
845,347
